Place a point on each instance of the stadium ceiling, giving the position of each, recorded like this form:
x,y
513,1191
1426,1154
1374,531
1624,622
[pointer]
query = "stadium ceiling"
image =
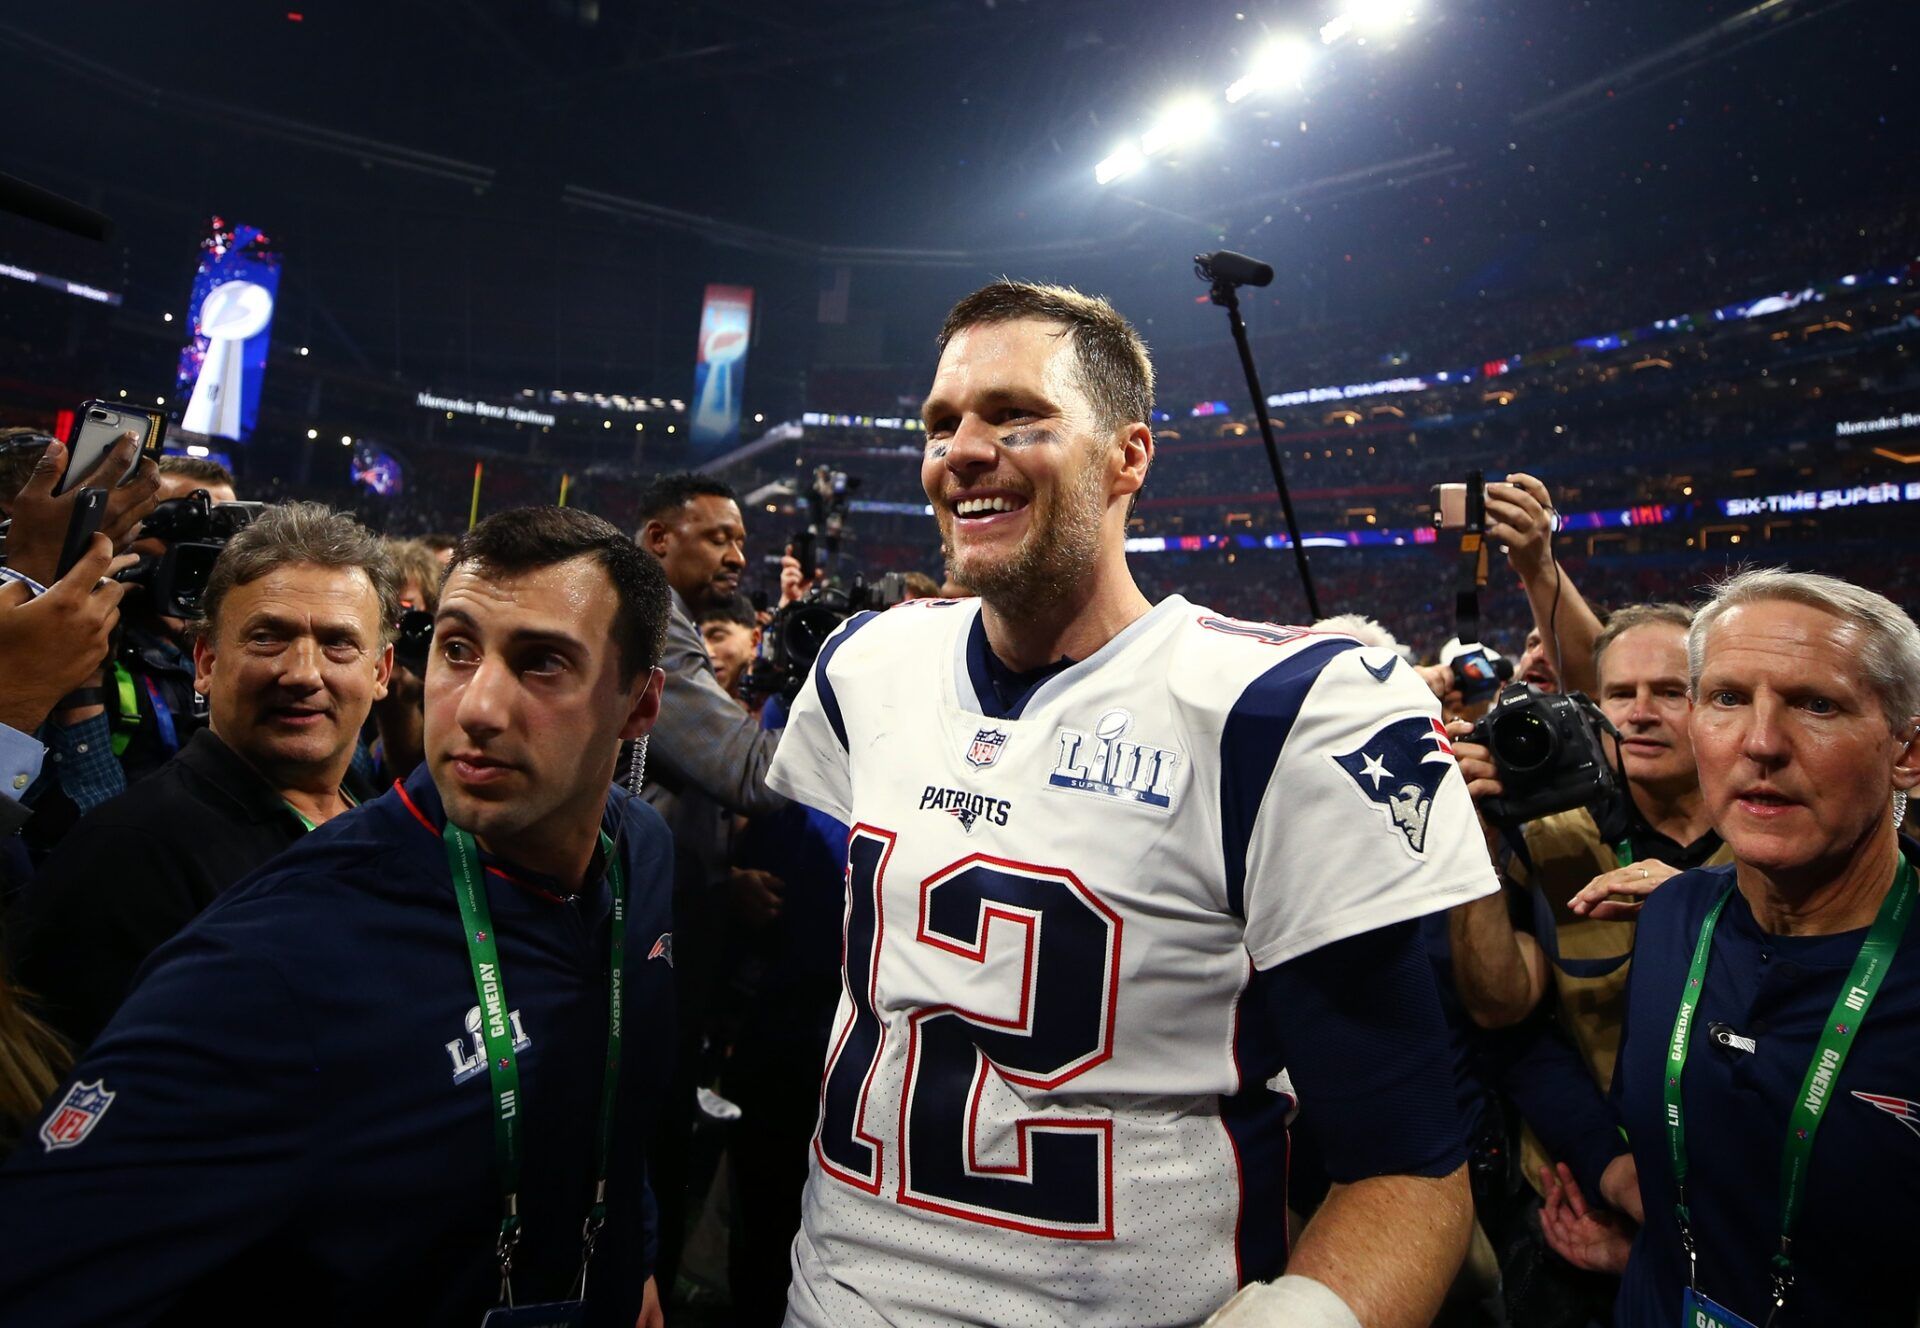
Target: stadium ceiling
x,y
916,132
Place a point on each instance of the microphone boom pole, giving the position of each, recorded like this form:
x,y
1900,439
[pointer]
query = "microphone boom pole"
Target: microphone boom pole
x,y
1225,272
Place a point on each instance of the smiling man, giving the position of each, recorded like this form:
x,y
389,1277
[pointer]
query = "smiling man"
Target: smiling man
x,y
292,655
407,1069
1113,865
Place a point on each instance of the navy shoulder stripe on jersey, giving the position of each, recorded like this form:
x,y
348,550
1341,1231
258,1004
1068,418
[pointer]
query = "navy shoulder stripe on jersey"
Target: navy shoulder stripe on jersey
x,y
1250,743
828,701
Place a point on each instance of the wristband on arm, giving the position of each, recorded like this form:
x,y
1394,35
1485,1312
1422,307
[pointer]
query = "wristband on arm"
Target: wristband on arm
x,y
1291,1302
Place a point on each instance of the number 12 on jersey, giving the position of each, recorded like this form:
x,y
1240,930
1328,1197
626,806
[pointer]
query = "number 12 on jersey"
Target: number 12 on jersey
x,y
963,1067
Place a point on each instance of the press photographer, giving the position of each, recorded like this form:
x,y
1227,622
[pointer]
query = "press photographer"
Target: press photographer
x,y
153,706
1629,834
291,655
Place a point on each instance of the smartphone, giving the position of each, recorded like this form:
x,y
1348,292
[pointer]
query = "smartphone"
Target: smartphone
x,y
98,428
88,510
804,553
1450,505
1478,675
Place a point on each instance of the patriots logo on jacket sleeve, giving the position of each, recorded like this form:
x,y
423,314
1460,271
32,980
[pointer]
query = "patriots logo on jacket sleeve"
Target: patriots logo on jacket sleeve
x,y
1399,770
1901,1109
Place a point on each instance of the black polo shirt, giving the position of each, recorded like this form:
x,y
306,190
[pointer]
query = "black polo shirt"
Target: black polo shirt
x,y
1620,819
133,872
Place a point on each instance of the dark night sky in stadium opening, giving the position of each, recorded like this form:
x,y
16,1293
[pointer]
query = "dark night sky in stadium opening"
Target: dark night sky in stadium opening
x,y
504,191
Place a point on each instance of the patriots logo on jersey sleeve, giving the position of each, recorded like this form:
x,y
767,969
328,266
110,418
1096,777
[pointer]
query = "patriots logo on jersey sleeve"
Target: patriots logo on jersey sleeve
x,y
1399,770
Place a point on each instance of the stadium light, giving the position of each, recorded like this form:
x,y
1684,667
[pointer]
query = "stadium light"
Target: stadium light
x,y
1185,121
1123,161
1281,64
1370,18
312,434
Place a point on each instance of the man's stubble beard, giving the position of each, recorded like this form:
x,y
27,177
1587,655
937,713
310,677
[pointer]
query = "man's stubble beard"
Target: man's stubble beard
x,y
1059,550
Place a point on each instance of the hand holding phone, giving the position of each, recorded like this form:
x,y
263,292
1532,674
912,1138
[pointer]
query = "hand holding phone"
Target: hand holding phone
x,y
89,509
100,432
41,515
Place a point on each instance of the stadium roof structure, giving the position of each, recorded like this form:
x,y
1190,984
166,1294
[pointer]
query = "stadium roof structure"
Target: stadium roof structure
x,y
525,192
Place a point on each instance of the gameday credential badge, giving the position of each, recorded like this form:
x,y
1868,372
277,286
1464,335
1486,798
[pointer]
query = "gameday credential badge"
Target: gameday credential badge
x,y
79,1111
986,748
1399,770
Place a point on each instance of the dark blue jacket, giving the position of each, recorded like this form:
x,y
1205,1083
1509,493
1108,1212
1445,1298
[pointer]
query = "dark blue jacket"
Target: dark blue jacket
x,y
1855,1241
298,1131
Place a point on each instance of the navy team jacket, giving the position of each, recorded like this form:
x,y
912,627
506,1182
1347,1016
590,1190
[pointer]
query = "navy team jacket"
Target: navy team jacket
x,y
301,1128
1855,1241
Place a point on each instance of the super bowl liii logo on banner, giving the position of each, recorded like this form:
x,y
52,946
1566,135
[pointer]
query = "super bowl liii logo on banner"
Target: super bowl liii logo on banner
x,y
1101,763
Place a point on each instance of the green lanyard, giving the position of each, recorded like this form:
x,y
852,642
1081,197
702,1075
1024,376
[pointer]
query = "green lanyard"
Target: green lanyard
x,y
307,824
1829,1056
504,1072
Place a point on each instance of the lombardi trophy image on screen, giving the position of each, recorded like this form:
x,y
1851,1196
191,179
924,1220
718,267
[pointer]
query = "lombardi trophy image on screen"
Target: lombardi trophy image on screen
x,y
232,312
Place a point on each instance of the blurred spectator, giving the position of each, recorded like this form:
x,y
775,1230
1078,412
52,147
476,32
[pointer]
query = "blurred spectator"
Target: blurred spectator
x,y
154,707
293,653
181,475
921,586
732,633
708,765
399,718
441,545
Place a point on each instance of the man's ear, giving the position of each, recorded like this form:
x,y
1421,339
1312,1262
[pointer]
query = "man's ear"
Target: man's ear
x,y
203,653
644,710
653,537
1906,761
1133,458
383,673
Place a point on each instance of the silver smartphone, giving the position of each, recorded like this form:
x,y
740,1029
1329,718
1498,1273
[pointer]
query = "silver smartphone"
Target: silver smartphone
x,y
99,427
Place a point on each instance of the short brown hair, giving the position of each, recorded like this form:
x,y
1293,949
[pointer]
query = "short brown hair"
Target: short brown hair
x,y
301,533
1115,370
205,469
1629,616
414,561
525,539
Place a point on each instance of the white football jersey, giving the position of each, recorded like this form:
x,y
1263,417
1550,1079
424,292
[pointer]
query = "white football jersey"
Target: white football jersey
x,y
1040,1106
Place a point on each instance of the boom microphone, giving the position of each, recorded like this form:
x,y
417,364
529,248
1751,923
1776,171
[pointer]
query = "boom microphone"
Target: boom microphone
x,y
1234,269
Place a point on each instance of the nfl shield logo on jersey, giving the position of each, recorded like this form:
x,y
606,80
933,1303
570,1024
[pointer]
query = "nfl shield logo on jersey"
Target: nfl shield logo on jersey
x,y
1399,770
985,748
79,1111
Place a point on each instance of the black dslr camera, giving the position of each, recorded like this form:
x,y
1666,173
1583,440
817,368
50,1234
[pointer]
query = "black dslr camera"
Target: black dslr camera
x,y
194,529
793,639
1550,752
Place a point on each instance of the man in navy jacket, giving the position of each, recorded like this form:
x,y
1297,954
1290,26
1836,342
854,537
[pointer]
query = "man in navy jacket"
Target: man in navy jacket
x,y
293,1117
